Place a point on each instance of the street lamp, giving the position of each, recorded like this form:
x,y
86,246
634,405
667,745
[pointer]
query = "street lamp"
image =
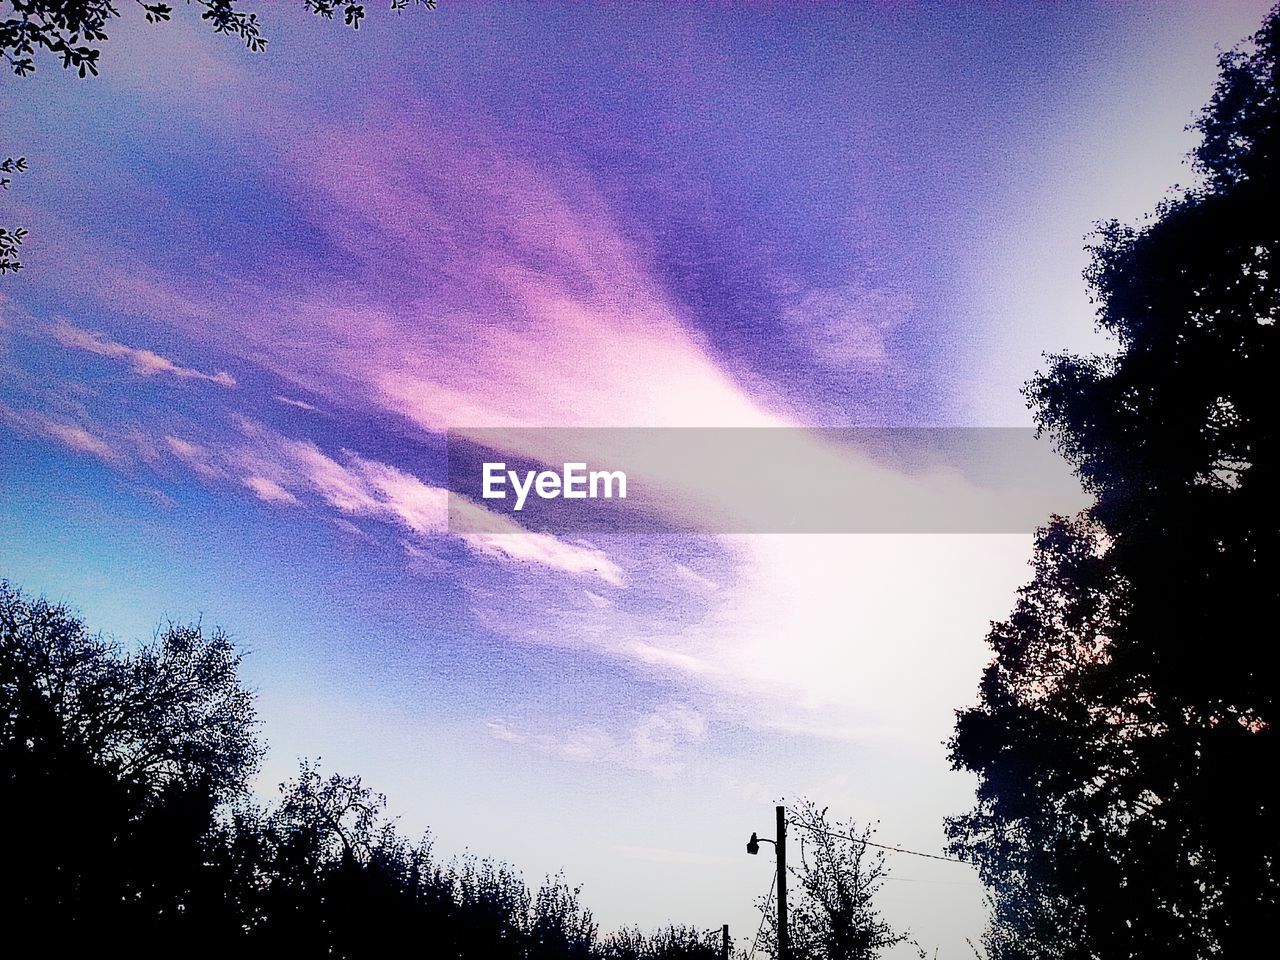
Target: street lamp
x,y
780,848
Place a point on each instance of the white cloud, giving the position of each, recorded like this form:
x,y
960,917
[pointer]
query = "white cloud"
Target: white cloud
x,y
547,551
280,469
78,438
71,435
691,576
146,363
194,456
269,491
299,404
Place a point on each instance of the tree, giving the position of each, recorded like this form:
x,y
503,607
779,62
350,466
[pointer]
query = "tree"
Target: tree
x,y
326,874
1130,708
323,873
124,789
111,762
832,913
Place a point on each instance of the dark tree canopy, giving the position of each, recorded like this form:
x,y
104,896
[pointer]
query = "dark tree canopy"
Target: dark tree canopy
x,y
111,763
1127,723
124,793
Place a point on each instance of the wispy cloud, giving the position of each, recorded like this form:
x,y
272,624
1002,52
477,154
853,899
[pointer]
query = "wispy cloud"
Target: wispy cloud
x,y
824,634
659,742
269,491
146,363
195,456
71,435
847,328
500,536
281,470
295,403
78,438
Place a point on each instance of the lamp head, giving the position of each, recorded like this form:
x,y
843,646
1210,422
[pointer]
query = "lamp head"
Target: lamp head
x,y
753,845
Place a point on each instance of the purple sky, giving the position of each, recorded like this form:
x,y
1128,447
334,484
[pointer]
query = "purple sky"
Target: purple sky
x,y
259,288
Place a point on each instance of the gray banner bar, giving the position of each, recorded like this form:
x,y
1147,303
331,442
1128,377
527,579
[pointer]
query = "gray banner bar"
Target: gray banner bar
x,y
755,480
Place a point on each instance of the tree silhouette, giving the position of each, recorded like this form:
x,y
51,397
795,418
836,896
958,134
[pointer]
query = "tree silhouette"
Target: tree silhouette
x,y
123,785
326,873
672,943
1130,710
832,913
112,762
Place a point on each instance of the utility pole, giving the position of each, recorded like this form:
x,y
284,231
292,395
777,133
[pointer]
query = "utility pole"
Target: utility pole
x,y
784,939
724,942
780,851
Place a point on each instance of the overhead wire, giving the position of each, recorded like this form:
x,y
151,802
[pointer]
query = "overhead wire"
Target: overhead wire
x,y
879,846
764,913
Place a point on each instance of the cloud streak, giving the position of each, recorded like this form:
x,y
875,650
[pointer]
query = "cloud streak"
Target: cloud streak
x,y
145,363
281,470
71,435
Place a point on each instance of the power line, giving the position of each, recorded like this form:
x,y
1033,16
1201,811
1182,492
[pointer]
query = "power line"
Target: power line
x,y
880,846
764,914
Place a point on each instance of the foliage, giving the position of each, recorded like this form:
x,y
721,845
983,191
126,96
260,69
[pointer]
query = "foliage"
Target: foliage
x,y
11,240
111,762
70,30
123,779
671,943
831,910
1131,704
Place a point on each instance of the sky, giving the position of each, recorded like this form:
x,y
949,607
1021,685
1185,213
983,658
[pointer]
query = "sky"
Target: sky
x,y
260,289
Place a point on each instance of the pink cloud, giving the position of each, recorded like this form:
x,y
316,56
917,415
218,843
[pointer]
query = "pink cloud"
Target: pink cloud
x,y
477,291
